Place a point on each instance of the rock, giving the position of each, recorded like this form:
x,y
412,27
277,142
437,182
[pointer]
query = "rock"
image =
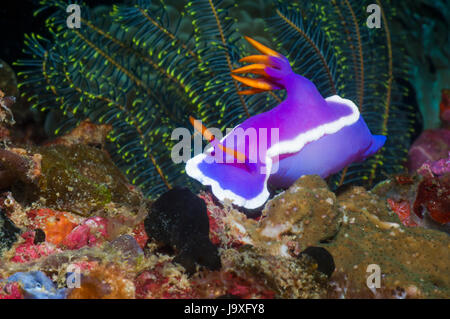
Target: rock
x,y
82,179
28,250
8,80
252,273
152,283
444,107
437,168
358,229
321,256
86,133
91,232
6,102
178,218
304,215
6,120
431,145
413,261
420,200
78,178
8,231
104,282
433,199
129,248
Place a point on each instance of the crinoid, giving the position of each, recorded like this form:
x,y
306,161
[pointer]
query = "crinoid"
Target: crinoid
x,y
144,69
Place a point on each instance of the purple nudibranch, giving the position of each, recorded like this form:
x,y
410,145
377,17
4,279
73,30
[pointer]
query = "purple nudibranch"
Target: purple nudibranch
x,y
305,134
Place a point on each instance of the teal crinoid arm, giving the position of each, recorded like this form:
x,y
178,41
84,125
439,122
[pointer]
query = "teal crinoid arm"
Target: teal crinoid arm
x,y
145,67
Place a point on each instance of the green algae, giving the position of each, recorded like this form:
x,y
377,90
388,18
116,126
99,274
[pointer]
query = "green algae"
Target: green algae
x,y
81,179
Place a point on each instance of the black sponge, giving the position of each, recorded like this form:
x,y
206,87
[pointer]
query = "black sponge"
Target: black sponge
x,y
322,257
8,231
178,218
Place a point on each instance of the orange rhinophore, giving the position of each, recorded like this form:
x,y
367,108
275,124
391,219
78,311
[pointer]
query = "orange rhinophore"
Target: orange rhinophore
x,y
259,83
199,127
260,67
262,48
253,68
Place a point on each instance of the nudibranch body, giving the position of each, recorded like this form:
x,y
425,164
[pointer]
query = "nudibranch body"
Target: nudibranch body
x,y
305,134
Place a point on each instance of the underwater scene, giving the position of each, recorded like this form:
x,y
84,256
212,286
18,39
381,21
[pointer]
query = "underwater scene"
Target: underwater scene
x,y
225,149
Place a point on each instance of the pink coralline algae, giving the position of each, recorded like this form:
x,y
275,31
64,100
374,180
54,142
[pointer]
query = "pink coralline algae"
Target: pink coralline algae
x,y
140,235
220,232
155,284
433,193
233,285
431,196
11,291
435,168
432,145
90,232
28,250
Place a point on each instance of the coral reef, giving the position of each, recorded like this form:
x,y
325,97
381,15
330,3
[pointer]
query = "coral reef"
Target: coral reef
x,y
76,220
164,280
308,242
11,291
285,277
358,229
55,225
82,178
